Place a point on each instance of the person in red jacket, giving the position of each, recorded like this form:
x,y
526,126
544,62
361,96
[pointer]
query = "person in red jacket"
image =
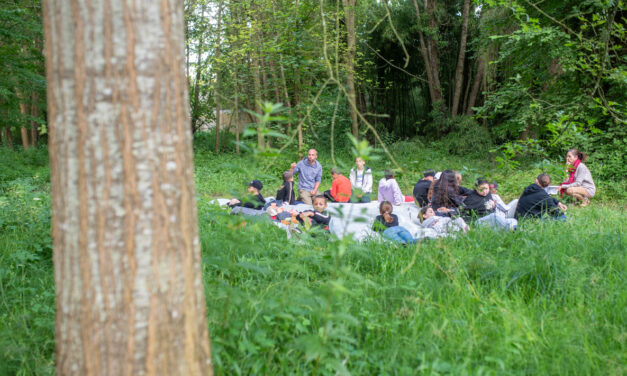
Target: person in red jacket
x,y
341,189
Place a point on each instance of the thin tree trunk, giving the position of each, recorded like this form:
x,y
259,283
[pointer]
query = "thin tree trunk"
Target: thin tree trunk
x,y
8,136
23,130
286,95
476,85
128,283
425,55
459,71
434,60
349,17
34,127
196,102
257,94
218,65
236,110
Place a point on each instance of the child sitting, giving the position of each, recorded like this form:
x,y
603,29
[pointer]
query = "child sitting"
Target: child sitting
x,y
502,209
387,223
316,217
286,191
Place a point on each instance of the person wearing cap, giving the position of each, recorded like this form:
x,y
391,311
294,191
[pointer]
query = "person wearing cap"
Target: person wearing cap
x,y
309,172
340,187
286,191
421,189
254,199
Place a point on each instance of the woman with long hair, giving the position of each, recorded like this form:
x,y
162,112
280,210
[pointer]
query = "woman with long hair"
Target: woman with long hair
x,y
579,183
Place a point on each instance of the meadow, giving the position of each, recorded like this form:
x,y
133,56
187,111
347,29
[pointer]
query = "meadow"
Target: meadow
x,y
549,298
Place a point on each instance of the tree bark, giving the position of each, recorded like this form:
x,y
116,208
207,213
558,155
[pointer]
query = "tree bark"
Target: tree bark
x,y
425,55
434,60
349,19
34,127
217,64
196,101
130,297
459,71
476,85
8,136
23,111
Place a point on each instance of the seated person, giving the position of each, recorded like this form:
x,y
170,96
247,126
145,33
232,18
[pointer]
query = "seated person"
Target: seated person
x,y
253,200
286,191
446,197
387,224
361,182
340,187
480,206
579,183
462,190
535,202
502,209
442,225
389,189
317,217
421,189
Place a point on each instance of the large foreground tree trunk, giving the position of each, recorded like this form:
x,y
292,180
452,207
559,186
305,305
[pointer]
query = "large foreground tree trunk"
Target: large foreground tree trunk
x,y
130,297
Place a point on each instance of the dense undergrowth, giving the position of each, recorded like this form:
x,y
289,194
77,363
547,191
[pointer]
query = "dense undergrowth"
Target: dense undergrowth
x,y
549,298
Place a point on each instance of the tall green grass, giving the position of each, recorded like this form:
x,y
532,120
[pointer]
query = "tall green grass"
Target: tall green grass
x,y
549,298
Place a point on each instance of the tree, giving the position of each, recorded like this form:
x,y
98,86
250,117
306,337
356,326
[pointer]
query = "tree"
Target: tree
x,y
130,297
349,15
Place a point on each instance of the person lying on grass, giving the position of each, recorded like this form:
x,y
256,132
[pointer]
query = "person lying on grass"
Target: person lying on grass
x,y
317,217
480,206
253,200
536,203
442,225
387,224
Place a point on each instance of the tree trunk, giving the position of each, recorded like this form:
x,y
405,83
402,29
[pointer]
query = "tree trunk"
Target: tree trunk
x,y
8,136
34,127
217,64
23,111
434,60
130,296
425,56
236,110
196,101
349,17
287,96
459,71
476,85
257,94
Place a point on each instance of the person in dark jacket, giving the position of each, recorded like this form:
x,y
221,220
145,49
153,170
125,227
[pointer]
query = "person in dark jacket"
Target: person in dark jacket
x,y
535,202
421,189
286,191
317,217
446,198
463,191
478,203
254,199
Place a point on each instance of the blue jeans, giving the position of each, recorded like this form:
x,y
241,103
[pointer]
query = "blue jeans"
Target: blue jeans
x,y
398,234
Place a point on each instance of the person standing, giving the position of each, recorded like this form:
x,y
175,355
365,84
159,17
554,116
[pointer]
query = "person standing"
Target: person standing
x,y
421,189
361,181
579,184
309,172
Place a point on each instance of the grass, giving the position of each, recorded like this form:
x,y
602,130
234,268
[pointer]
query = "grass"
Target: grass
x,y
547,299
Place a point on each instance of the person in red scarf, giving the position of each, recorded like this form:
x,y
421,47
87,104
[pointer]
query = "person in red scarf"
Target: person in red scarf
x,y
579,184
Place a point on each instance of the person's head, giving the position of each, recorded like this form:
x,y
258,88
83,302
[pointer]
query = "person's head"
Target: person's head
x,y
335,172
319,203
429,174
426,212
360,163
288,176
312,155
543,180
446,184
385,207
254,187
458,177
573,155
494,186
482,187
389,174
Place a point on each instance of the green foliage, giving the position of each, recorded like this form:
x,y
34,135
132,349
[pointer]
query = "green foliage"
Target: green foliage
x,y
465,137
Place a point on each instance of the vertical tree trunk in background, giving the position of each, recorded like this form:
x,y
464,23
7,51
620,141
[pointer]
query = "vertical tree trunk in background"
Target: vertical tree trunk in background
x,y
236,109
425,55
196,101
130,297
459,71
257,94
8,136
23,111
286,94
434,60
218,65
34,113
476,85
349,19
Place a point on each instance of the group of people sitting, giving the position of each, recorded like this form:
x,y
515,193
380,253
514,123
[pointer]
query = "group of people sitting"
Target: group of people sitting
x,y
443,201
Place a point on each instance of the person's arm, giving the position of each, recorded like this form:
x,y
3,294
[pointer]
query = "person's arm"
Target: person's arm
x,y
334,190
367,182
352,176
317,179
294,168
380,193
